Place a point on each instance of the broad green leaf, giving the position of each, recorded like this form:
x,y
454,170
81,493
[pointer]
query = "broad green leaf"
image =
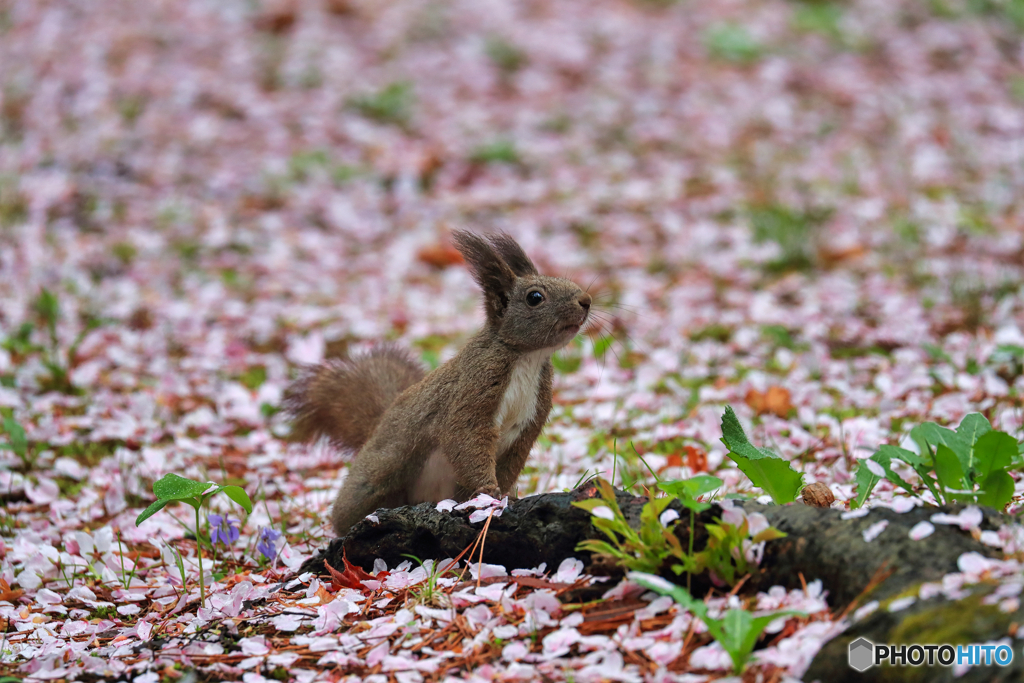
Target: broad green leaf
x,y
996,490
694,505
737,632
935,435
694,487
751,630
737,625
993,451
948,469
151,510
971,429
765,469
238,494
922,466
866,479
735,439
665,587
775,476
897,453
173,487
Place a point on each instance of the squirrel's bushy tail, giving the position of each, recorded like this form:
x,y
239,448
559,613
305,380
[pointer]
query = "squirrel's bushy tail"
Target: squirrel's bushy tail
x,y
343,399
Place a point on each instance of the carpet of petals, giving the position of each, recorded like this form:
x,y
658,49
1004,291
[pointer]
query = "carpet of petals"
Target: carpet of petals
x,y
809,211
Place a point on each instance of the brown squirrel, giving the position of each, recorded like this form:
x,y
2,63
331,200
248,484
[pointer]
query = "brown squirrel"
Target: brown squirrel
x,y
462,429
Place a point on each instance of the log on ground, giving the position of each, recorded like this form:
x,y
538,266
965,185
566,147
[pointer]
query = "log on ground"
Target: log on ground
x,y
820,544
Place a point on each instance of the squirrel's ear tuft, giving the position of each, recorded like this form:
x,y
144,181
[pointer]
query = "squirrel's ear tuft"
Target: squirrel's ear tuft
x,y
512,254
490,271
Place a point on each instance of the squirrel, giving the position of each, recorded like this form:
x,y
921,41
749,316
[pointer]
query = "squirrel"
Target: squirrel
x,y
464,428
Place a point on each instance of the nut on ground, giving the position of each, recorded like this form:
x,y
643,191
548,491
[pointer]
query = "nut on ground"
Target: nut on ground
x,y
817,495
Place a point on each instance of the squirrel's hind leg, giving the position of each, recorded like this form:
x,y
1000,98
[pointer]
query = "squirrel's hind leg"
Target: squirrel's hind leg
x,y
359,497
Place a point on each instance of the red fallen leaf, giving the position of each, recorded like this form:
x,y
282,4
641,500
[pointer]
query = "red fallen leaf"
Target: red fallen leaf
x,y
352,577
696,459
673,460
440,255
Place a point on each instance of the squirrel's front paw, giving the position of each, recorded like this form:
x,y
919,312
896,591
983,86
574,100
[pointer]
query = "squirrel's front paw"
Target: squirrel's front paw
x,y
492,491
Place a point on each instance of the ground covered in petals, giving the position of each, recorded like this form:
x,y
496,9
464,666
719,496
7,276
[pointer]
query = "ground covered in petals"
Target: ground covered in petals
x,y
811,211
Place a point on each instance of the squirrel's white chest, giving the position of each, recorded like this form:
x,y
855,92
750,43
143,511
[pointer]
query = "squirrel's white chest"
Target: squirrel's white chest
x,y
519,403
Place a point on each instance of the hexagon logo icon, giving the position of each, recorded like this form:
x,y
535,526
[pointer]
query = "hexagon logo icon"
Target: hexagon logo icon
x,y
862,654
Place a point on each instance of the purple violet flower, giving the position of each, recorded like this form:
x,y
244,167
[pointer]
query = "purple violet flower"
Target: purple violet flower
x,y
223,529
266,545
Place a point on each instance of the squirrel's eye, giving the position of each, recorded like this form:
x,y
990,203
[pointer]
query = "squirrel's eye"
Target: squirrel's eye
x,y
534,298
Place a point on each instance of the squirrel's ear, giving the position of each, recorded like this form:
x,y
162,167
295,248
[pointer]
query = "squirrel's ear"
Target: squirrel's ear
x,y
512,254
489,270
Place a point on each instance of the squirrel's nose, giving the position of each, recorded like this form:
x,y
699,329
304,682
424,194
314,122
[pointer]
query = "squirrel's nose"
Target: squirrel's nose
x,y
584,300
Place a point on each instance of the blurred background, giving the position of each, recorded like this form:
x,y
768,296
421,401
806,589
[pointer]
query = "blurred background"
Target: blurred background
x,y
812,210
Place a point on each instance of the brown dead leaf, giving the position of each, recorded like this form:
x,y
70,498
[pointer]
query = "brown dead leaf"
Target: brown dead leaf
x,y
775,401
833,256
340,7
278,16
325,595
7,594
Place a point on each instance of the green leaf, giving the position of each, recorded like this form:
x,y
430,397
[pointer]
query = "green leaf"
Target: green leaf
x,y
601,346
693,488
948,470
174,487
996,490
971,429
897,453
935,435
665,587
765,469
866,479
769,534
151,510
590,504
650,524
238,494
593,545
48,308
993,451
737,632
742,630
16,435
